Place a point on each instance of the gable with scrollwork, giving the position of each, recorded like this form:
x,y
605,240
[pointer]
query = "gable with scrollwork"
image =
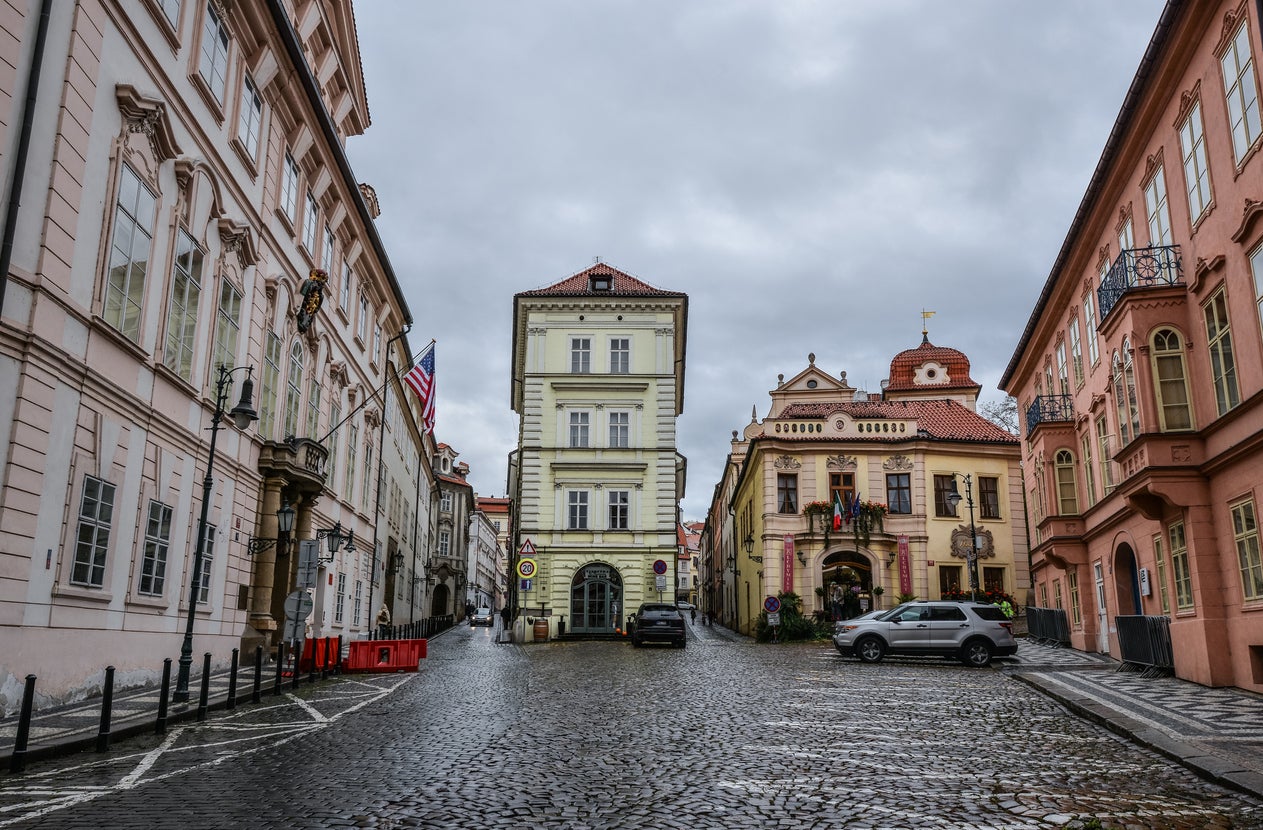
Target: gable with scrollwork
x,y
897,462
842,462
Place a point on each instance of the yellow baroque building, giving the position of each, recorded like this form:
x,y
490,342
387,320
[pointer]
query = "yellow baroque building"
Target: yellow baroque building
x,y
595,481
924,467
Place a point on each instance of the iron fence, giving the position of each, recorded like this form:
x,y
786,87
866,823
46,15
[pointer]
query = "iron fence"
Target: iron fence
x,y
1048,626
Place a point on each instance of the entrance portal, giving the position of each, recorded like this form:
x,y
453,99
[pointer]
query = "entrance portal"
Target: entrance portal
x,y
596,599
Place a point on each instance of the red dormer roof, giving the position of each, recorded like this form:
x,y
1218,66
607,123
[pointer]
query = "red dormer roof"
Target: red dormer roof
x,y
907,364
942,420
581,284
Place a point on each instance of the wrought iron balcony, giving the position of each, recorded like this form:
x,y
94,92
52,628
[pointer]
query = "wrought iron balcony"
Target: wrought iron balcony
x,y
1047,409
1140,268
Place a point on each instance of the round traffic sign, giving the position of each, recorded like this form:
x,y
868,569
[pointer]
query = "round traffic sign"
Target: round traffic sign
x,y
526,568
771,605
298,605
659,567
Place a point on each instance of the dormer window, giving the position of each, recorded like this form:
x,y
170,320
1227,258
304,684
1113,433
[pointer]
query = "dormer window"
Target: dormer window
x,y
600,282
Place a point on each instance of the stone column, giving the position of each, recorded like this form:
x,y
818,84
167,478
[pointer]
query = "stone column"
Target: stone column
x,y
264,579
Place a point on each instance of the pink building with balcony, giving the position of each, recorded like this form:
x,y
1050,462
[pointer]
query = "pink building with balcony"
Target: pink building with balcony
x,y
1140,370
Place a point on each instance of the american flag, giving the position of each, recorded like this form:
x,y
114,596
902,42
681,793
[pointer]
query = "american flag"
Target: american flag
x,y
421,380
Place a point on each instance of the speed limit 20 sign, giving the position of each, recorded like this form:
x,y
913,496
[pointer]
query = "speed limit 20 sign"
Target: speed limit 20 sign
x,y
526,568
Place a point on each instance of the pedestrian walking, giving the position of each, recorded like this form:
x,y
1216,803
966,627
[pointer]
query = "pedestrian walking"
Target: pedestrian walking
x,y
383,621
693,616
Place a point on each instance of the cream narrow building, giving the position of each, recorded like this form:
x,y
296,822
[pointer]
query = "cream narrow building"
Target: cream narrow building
x,y
596,480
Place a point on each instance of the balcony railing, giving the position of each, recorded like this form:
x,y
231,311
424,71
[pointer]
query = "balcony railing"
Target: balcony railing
x,y
1140,268
1049,408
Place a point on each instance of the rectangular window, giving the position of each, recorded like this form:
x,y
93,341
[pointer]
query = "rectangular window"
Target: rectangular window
x,y
153,563
620,355
250,121
366,491
1180,567
313,409
311,220
293,389
344,299
1196,170
1089,474
1245,530
948,579
289,189
214,62
577,510
1157,209
899,492
359,602
944,486
186,292
1104,454
620,429
335,422
1256,265
1043,595
841,487
271,387
1089,322
445,501
1063,374
1126,237
580,355
1076,352
348,483
445,542
361,328
208,560
129,254
620,509
1057,594
1222,363
339,603
92,537
988,497
786,493
578,429
377,342
1164,595
172,10
227,327
327,254
1076,610
1241,93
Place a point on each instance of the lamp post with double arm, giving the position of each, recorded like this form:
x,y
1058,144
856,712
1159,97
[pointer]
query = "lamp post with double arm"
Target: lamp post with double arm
x,y
972,559
242,414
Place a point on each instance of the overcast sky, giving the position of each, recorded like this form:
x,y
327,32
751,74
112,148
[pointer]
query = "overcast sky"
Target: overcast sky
x,y
812,174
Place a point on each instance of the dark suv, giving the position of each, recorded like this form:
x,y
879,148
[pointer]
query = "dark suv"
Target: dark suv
x,y
972,632
658,623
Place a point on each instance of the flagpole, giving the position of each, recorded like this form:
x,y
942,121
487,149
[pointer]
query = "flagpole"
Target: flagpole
x,y
369,397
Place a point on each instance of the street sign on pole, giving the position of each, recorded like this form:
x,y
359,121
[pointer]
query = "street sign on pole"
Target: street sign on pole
x,y
527,549
298,607
308,563
526,568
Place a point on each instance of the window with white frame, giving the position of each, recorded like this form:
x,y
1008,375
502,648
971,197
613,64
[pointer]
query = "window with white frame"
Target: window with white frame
x,y
377,342
250,120
268,395
1089,475
1219,345
1159,559
579,429
208,562
348,480
289,189
359,602
339,603
313,407
620,429
1245,530
1256,266
620,355
129,254
1241,93
227,327
361,328
445,542
1076,352
1157,210
1089,322
1196,169
1067,495
344,299
92,534
445,501
327,254
1180,571
580,355
171,8
294,388
1063,374
1076,610
335,423
186,292
1105,454
214,61
1126,237
370,481
1175,410
153,562
620,509
577,510
311,221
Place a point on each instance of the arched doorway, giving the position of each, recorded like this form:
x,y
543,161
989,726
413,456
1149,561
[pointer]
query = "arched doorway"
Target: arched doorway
x,y
596,600
1126,580
439,603
847,577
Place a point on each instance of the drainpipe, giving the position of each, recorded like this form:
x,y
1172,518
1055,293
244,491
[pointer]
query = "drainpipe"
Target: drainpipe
x,y
24,144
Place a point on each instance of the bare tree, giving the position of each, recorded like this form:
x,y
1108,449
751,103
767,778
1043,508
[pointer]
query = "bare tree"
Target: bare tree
x,y
1002,413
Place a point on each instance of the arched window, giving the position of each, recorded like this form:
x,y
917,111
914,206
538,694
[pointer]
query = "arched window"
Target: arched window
x,y
1171,381
1067,493
294,388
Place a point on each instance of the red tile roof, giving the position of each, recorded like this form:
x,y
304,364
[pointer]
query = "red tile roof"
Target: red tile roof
x,y
578,285
943,420
903,368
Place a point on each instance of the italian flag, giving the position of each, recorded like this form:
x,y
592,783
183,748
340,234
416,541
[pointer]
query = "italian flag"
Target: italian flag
x,y
837,510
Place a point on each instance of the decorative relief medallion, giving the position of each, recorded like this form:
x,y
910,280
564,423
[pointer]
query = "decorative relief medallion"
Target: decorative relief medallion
x,y
960,543
841,462
787,462
897,462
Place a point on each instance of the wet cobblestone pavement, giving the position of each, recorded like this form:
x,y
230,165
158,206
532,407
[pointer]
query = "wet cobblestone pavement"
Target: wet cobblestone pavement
x,y
595,735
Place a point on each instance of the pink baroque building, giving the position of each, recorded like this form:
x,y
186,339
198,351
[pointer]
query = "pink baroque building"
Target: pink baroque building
x,y
1140,371
183,173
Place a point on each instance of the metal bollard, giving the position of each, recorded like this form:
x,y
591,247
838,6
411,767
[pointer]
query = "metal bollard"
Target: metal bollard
x,y
311,673
161,726
107,704
256,693
18,760
324,664
204,697
280,667
298,661
339,669
232,681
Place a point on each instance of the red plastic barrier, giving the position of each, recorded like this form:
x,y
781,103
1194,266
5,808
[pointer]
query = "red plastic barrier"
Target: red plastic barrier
x,y
385,656
319,651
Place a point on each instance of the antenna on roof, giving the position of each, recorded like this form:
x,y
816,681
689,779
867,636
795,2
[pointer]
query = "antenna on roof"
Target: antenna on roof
x,y
596,260
925,334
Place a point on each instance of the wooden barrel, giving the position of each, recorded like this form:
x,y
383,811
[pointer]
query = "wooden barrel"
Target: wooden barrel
x,y
541,629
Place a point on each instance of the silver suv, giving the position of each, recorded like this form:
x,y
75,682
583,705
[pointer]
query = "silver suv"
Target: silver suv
x,y
972,632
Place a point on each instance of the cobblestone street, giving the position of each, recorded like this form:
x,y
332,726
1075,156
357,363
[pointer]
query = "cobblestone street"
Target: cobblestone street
x,y
600,735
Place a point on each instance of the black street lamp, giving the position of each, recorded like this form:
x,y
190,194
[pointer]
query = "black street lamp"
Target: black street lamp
x,y
284,525
334,539
972,559
242,414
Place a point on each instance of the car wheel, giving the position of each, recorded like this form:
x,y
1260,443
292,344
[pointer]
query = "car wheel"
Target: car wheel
x,y
976,653
870,649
